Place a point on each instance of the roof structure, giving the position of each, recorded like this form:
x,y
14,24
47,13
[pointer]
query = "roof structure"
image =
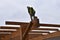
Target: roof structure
x,y
28,31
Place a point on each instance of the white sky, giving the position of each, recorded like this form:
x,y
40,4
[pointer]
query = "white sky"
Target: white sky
x,y
48,11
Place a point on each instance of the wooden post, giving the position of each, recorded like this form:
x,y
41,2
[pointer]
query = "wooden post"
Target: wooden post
x,y
25,34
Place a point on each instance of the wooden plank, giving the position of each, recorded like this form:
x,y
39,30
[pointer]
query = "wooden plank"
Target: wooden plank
x,y
12,35
7,30
35,33
8,27
55,34
16,34
49,29
50,25
15,23
25,35
12,25
39,32
5,33
31,36
41,24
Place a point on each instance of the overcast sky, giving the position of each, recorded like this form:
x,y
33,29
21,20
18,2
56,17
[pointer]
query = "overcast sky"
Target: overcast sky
x,y
48,11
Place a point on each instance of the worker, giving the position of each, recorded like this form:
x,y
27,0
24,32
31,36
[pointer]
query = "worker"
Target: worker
x,y
31,12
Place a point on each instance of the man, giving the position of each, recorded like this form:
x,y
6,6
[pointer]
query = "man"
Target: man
x,y
31,12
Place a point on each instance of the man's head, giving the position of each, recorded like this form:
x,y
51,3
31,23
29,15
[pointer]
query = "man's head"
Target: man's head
x,y
28,7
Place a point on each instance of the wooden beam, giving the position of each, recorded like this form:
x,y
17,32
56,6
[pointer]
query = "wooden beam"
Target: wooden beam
x,y
8,30
27,31
31,36
12,35
16,34
3,33
55,34
41,24
8,27
39,32
50,25
15,23
35,33
49,29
